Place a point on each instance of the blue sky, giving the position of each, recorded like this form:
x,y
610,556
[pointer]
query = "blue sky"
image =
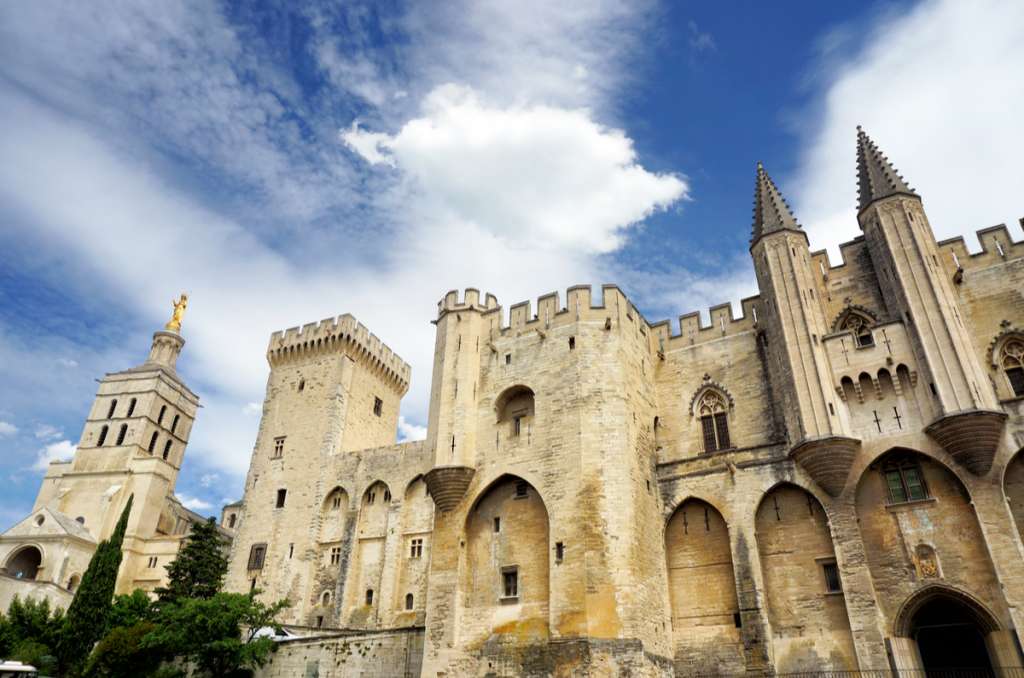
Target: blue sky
x,y
287,162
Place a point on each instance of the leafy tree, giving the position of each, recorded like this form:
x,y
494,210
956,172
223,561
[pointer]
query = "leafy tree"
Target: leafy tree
x,y
32,620
87,617
207,632
130,609
121,653
199,569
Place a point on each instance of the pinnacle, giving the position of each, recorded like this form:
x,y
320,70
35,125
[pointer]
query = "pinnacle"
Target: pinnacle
x,y
771,212
876,177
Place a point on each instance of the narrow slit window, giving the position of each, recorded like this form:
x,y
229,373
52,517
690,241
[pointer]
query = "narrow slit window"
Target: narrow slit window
x,y
113,407
833,584
103,436
174,423
408,601
131,407
378,406
167,450
152,442
160,418
282,494
122,433
369,596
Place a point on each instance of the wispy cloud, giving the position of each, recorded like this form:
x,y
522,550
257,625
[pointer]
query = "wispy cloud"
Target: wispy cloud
x,y
59,451
938,86
194,503
7,429
47,432
408,431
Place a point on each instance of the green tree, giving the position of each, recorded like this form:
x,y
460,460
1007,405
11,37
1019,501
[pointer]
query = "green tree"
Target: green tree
x,y
32,620
199,569
121,653
207,632
130,609
87,617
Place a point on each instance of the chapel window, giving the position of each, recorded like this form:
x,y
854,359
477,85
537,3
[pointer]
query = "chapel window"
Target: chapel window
x,y
714,421
152,442
860,328
113,406
904,481
167,450
131,407
174,423
103,436
122,433
1013,365
160,419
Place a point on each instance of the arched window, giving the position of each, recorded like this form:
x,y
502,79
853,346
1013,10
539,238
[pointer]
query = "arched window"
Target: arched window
x,y
325,599
121,434
174,424
515,406
152,442
160,419
73,582
103,436
860,327
113,406
712,409
408,601
131,407
167,449
1012,360
25,563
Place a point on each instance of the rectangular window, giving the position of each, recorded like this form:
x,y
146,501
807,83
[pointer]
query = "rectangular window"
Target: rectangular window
x,y
517,426
291,551
559,552
832,582
497,524
510,582
369,596
335,555
708,431
257,554
281,495
279,447
508,358
905,482
572,343
416,548
722,428
378,406
521,489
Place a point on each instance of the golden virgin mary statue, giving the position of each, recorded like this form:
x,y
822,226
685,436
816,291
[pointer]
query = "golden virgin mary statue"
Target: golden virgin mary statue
x,y
174,324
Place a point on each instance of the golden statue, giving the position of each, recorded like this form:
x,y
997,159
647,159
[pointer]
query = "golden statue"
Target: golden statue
x,y
174,324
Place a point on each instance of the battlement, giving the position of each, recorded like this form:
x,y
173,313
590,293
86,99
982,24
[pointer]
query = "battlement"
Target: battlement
x,y
722,323
334,334
997,245
579,305
470,301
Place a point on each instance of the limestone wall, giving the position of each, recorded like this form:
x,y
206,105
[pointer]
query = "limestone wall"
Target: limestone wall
x,y
381,654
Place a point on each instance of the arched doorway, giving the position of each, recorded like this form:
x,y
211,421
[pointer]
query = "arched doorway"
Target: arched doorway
x,y
25,563
950,630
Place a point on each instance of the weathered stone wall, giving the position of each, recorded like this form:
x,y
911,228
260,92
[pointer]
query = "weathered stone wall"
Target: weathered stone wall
x,y
394,653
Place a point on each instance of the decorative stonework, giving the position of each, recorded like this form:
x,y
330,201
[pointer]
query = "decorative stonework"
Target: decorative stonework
x,y
827,460
447,485
971,437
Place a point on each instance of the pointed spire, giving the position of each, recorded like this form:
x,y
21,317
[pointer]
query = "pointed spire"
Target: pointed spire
x,y
771,213
876,177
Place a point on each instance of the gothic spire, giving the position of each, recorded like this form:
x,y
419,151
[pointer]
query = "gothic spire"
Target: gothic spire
x,y
876,177
771,213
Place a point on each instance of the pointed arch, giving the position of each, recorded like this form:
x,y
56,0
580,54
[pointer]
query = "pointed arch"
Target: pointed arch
x,y
1006,357
982,615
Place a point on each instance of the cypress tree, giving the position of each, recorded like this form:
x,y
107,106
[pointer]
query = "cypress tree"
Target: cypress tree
x,y
198,570
86,620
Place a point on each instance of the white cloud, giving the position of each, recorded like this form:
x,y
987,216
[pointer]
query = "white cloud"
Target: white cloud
x,y
59,451
939,88
408,431
194,503
252,409
48,432
539,176
67,362
7,429
208,479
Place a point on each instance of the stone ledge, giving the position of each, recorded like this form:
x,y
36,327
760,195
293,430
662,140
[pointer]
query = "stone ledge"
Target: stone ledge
x,y
971,437
828,460
447,485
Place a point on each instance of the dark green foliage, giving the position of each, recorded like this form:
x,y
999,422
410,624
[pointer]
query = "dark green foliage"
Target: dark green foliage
x,y
31,621
88,614
121,655
207,632
199,569
129,610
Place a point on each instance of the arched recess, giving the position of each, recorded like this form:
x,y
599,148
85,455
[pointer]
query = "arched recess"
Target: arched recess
x,y
332,515
416,524
367,568
702,591
505,566
803,589
25,563
514,410
73,582
919,528
1013,486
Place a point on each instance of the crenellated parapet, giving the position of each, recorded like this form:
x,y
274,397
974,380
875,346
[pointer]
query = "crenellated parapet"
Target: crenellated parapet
x,y
470,301
723,322
343,333
997,246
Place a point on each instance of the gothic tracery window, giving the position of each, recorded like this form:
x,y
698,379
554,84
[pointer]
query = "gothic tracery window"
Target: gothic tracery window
x,y
1012,360
712,409
860,328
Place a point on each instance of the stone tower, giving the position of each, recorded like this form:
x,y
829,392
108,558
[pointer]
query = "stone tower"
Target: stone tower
x,y
132,444
795,327
333,388
906,256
